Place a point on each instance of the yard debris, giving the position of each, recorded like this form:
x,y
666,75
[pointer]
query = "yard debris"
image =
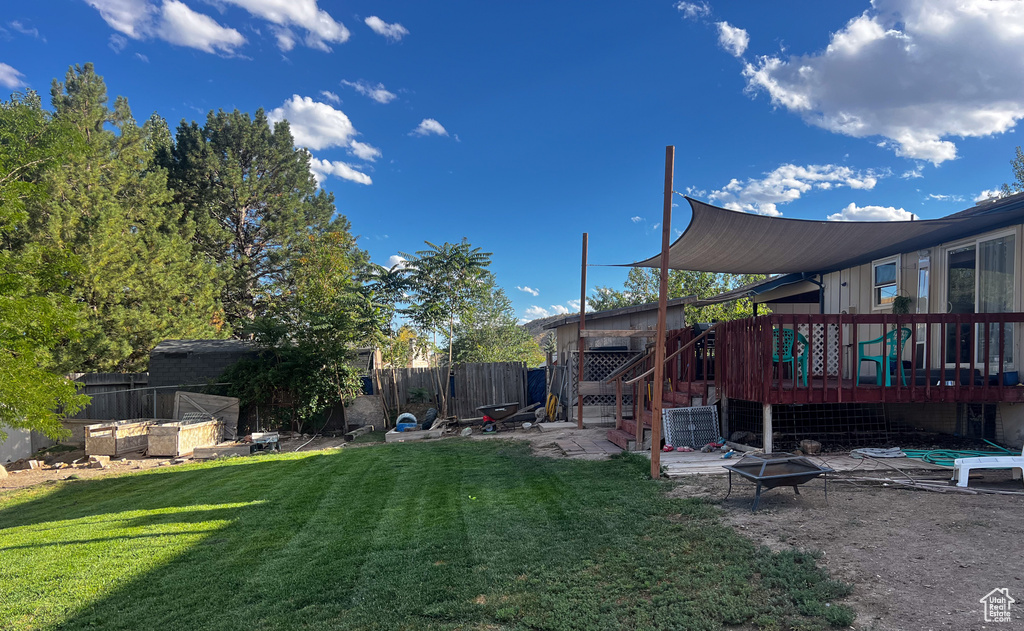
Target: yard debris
x,y
181,460
35,464
99,462
873,452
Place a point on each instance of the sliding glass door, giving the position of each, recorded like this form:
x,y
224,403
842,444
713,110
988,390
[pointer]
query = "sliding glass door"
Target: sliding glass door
x,y
980,279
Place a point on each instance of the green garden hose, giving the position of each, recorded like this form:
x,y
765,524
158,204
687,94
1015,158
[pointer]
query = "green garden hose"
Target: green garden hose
x,y
946,457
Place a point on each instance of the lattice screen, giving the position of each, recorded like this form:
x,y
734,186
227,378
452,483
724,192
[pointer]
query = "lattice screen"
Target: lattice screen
x,y
831,346
597,366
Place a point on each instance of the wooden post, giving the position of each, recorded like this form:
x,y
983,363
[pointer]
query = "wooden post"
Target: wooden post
x,y
725,415
618,403
767,414
582,340
659,342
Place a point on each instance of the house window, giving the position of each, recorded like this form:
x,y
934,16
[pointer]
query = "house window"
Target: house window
x,y
884,282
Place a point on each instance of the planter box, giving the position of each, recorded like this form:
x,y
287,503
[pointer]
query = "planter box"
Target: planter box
x,y
180,439
395,436
117,437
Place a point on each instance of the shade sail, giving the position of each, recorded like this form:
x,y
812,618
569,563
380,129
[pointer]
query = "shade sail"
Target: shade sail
x,y
734,242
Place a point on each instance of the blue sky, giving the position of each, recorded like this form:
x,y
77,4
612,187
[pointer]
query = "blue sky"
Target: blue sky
x,y
521,125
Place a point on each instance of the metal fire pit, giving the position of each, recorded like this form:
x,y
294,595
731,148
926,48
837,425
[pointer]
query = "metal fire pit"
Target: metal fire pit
x,y
779,469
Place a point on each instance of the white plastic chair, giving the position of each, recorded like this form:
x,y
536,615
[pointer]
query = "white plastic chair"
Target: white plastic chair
x,y
962,466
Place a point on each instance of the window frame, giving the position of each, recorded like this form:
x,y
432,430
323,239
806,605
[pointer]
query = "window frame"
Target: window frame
x,y
889,260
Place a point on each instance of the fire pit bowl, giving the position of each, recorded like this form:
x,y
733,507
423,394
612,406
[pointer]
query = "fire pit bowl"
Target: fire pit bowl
x,y
779,469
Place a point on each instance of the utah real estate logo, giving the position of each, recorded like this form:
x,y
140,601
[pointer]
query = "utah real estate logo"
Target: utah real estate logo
x,y
996,605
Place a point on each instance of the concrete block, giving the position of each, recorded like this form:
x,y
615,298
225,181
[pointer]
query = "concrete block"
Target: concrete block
x,y
395,436
99,462
553,427
35,464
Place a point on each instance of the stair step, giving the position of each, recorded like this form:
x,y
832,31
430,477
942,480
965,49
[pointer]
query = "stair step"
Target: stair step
x,y
622,439
629,426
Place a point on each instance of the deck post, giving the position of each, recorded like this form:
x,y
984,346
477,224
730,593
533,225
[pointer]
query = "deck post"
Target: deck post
x,y
725,416
659,343
618,403
582,340
767,415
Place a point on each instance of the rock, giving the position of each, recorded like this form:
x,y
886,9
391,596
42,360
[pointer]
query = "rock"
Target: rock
x,y
744,438
180,460
3,473
810,447
99,462
466,431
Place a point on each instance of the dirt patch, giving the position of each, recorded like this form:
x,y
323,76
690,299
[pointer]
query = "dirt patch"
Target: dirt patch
x,y
916,559
544,443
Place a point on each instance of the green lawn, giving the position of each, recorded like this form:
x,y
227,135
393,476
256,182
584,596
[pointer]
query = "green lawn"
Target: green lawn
x,y
454,534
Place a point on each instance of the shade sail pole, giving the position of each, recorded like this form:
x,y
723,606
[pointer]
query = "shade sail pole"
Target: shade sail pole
x,y
659,344
583,326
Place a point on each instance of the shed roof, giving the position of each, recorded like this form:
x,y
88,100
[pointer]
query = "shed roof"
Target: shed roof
x,y
611,313
204,346
729,241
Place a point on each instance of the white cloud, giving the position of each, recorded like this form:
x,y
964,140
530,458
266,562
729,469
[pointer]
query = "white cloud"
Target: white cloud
x,y
24,30
872,213
330,96
131,17
534,312
376,92
734,40
429,126
142,57
314,125
320,27
529,290
364,151
400,261
322,168
394,32
693,10
945,198
117,43
917,172
182,26
636,219
913,72
786,184
988,194
10,78
574,305
173,22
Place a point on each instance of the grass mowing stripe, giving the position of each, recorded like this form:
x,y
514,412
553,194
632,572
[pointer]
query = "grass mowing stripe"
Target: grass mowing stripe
x,y
447,535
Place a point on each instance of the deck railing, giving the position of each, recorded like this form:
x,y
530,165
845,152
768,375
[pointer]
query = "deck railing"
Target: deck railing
x,y
945,357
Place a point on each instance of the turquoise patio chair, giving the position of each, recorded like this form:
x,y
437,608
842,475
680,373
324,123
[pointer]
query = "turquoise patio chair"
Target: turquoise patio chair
x,y
782,351
892,351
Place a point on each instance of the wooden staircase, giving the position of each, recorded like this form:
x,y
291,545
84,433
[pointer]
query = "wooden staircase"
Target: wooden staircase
x,y
625,436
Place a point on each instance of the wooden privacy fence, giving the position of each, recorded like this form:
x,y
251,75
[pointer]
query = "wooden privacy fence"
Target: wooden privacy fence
x,y
471,385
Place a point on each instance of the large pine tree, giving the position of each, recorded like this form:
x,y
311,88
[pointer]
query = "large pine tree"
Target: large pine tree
x,y
138,279
254,202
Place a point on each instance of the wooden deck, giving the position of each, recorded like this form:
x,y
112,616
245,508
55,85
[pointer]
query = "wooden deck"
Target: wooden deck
x,y
946,358
835,390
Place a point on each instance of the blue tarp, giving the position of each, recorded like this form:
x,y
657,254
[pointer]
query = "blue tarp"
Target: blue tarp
x,y
536,386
